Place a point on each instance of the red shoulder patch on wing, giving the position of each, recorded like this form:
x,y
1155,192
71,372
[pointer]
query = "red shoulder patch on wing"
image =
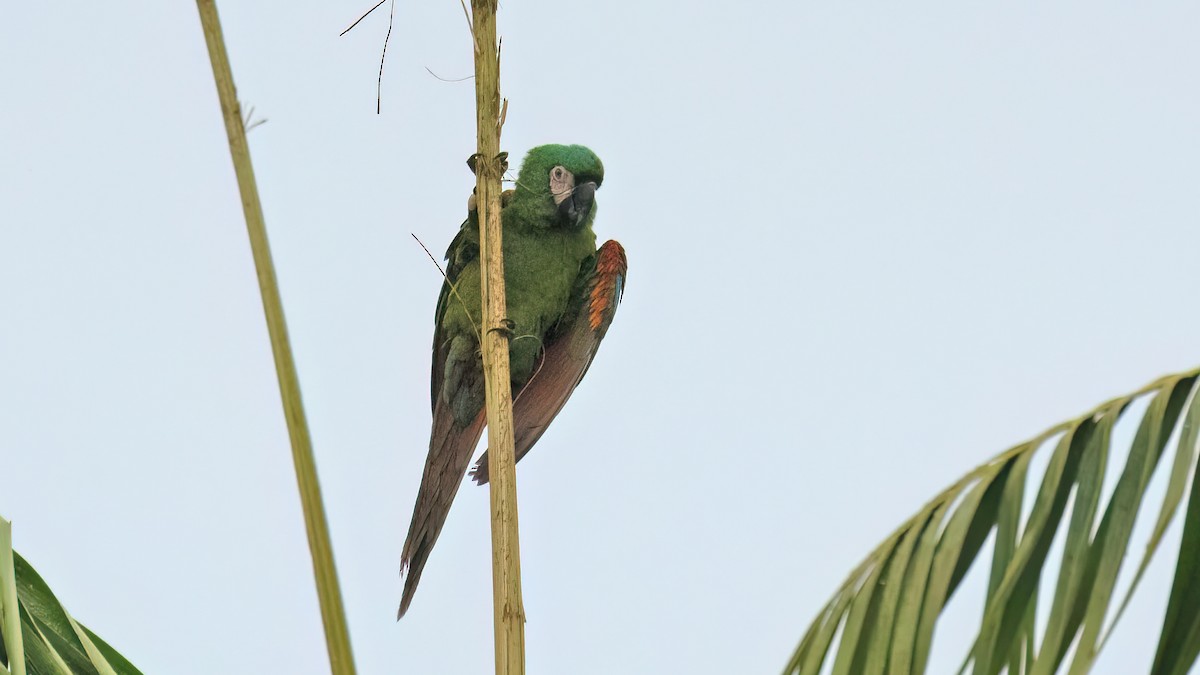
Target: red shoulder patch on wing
x,y
608,283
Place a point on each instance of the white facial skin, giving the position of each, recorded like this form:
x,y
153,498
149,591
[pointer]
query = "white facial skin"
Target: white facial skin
x,y
562,183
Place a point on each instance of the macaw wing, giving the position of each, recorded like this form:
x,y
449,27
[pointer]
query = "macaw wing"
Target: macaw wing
x,y
463,249
568,352
451,442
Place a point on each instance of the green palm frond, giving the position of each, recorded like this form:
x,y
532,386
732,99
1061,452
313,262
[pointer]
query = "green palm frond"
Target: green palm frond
x,y
36,634
888,607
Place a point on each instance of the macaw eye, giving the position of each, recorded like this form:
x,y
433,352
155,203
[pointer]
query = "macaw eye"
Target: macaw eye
x,y
561,183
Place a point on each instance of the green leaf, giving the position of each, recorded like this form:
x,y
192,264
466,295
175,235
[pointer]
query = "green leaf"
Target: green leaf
x,y
852,652
811,654
39,654
1010,599
889,606
1109,548
1179,642
912,594
1185,455
51,620
119,663
1064,620
957,549
46,639
1007,527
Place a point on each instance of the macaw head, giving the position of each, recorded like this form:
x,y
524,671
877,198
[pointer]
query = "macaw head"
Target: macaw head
x,y
557,185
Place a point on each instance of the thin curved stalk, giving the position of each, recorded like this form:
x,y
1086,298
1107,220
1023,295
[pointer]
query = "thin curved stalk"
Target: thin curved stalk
x,y
333,616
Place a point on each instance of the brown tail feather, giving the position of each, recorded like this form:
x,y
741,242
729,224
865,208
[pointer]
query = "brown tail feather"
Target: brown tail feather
x,y
450,450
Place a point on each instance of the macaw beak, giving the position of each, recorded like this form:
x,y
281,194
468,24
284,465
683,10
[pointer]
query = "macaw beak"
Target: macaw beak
x,y
575,208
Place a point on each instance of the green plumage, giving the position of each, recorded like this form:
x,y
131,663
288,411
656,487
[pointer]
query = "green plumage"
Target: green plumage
x,y
541,262
550,264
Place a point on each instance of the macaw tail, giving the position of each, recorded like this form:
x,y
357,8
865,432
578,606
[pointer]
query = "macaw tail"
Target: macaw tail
x,y
444,469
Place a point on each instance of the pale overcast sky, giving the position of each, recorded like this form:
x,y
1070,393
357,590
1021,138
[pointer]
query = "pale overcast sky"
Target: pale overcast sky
x,y
870,245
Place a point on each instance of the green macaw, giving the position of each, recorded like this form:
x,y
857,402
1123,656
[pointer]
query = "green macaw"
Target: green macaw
x,y
562,295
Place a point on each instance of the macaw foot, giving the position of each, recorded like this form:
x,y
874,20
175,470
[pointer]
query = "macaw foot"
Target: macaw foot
x,y
506,328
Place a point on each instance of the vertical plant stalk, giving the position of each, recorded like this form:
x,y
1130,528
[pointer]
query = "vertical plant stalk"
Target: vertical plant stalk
x,y
10,622
337,639
509,611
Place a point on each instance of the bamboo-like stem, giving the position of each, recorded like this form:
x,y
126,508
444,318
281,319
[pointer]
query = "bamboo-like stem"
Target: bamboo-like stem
x,y
10,622
337,638
509,611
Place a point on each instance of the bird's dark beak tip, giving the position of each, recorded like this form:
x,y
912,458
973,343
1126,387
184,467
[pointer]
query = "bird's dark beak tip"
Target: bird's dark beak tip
x,y
578,206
